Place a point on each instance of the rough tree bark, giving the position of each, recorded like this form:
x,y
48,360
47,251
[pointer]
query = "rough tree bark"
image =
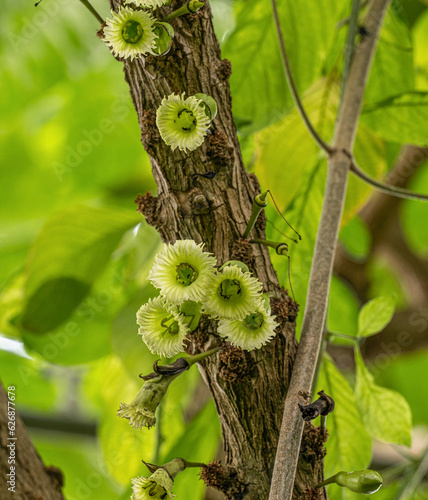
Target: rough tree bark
x,y
248,388
33,480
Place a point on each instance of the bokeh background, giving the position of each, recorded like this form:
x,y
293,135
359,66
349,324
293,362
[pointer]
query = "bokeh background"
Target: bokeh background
x,y
72,165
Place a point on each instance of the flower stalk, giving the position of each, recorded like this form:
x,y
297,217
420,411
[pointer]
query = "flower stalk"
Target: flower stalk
x,y
259,203
365,482
189,8
280,248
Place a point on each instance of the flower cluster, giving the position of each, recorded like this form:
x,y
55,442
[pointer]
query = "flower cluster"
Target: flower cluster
x,y
190,284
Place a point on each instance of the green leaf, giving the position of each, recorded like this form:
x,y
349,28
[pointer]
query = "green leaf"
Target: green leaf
x,y
385,413
343,309
392,71
402,118
253,51
348,445
83,468
420,36
356,238
375,315
85,336
198,442
108,384
404,373
67,256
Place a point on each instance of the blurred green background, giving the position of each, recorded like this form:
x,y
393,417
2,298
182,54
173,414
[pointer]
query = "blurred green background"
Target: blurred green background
x,y
74,255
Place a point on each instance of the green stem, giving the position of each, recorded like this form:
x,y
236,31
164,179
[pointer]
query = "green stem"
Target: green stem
x,y
281,248
343,336
189,8
259,202
191,360
159,436
330,480
193,464
416,479
87,4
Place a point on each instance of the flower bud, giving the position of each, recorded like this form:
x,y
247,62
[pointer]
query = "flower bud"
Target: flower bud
x,y
360,481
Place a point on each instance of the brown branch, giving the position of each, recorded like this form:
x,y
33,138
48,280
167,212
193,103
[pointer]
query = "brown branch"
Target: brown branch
x,y
322,265
32,481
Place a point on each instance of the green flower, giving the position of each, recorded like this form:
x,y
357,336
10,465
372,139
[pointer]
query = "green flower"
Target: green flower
x,y
156,487
162,327
130,33
182,123
148,4
183,271
254,331
141,412
233,295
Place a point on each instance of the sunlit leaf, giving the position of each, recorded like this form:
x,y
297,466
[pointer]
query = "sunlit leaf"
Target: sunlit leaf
x,y
343,308
348,445
375,315
253,51
402,119
68,255
385,413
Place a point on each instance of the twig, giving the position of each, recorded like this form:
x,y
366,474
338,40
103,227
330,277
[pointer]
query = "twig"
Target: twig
x,y
386,188
91,9
322,264
292,85
345,21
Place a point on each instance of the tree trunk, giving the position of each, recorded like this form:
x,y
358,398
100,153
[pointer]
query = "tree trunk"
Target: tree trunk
x,y
20,463
248,388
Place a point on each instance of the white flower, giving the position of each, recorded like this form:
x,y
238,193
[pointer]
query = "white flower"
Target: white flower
x,y
148,4
183,271
156,487
254,331
233,295
130,33
182,123
161,327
